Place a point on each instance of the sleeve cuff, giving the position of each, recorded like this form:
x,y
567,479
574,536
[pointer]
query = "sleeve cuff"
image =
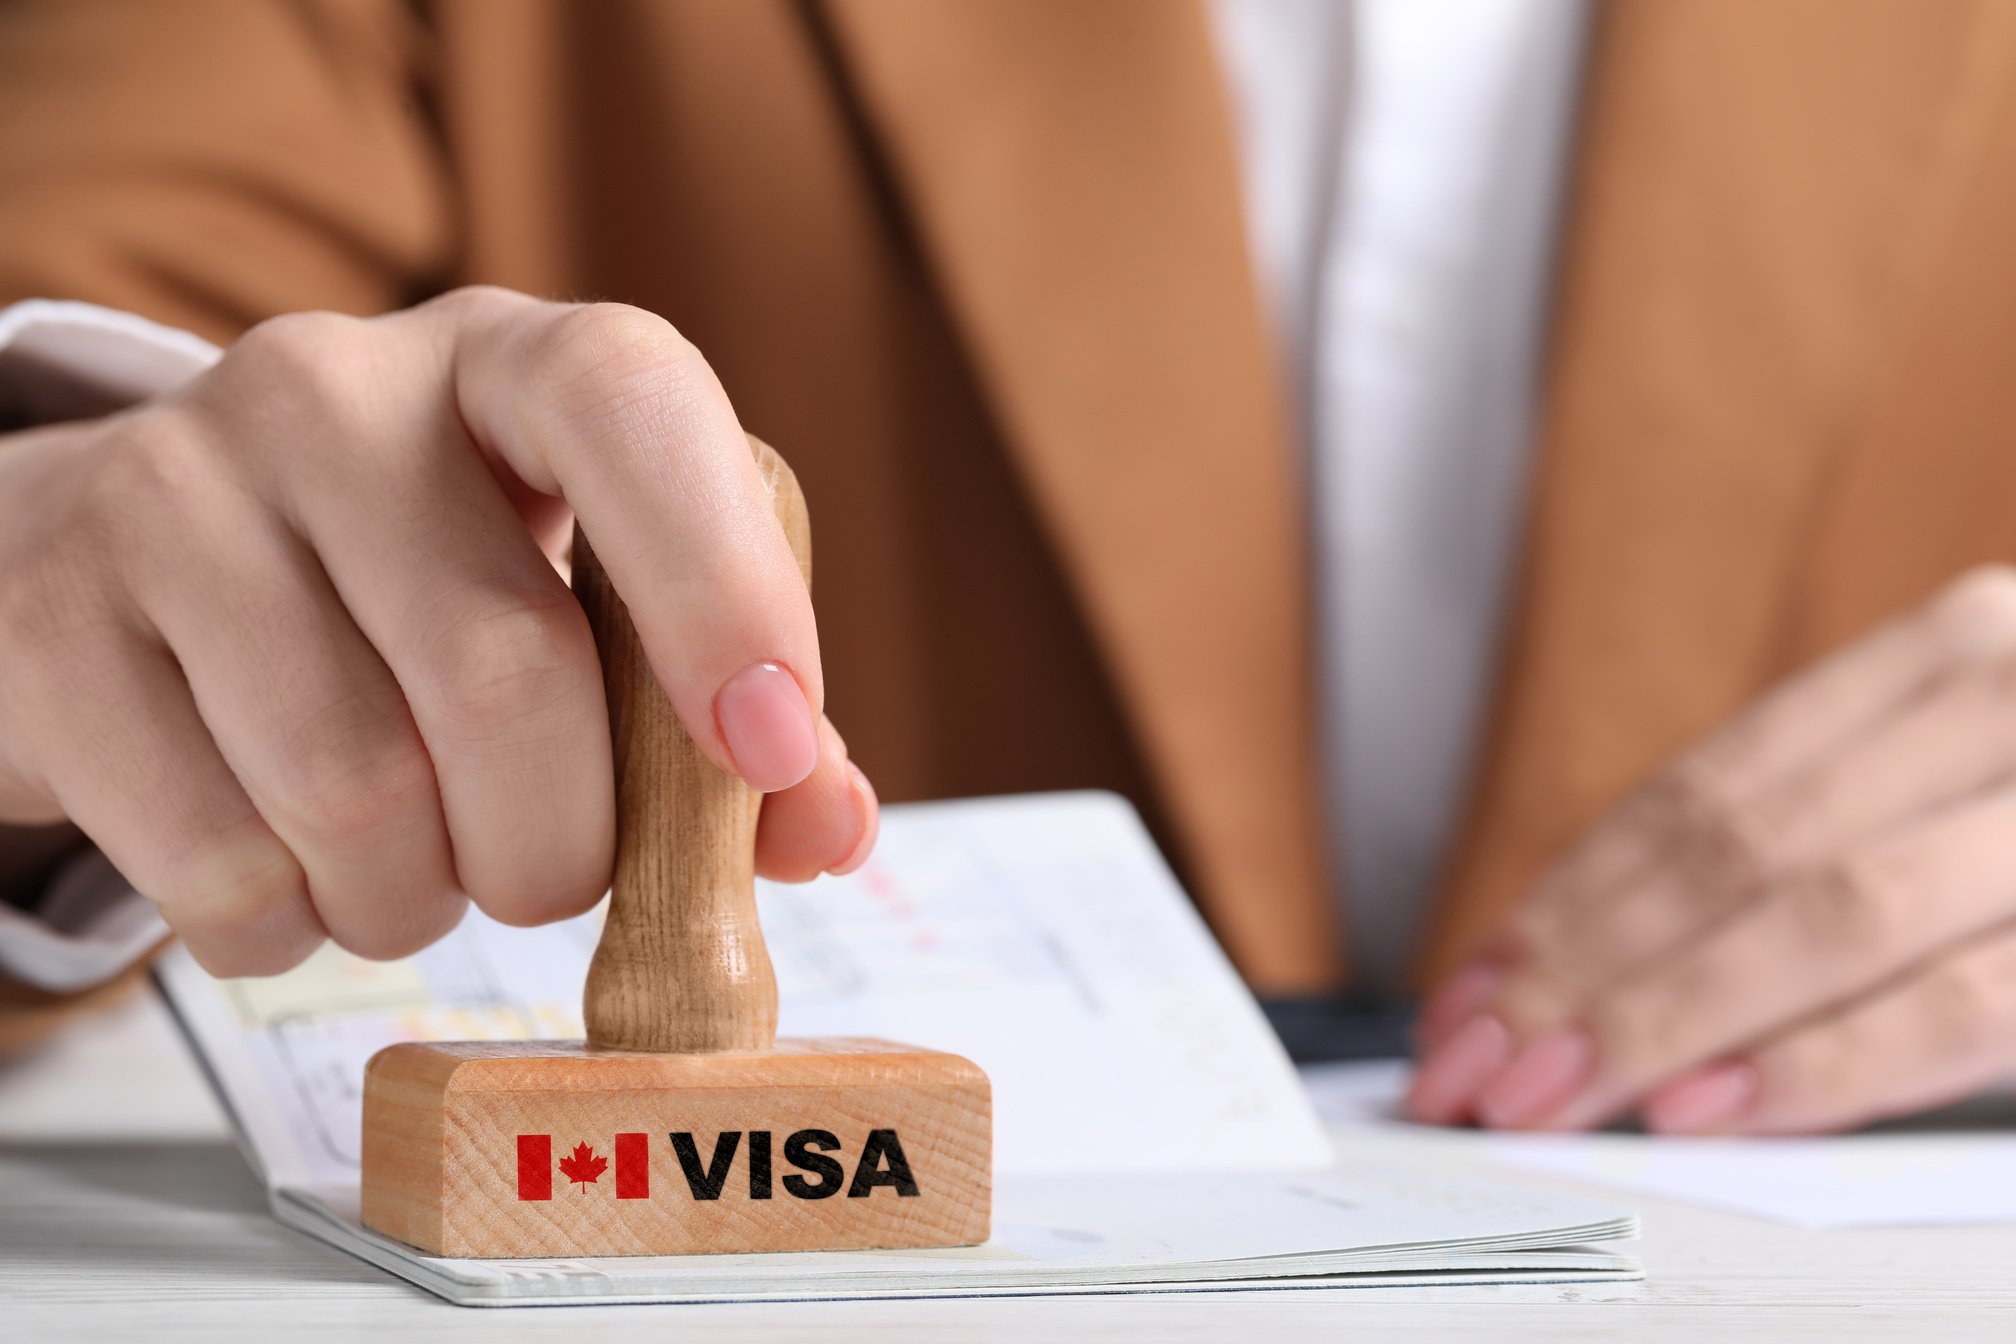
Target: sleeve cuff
x,y
88,927
61,360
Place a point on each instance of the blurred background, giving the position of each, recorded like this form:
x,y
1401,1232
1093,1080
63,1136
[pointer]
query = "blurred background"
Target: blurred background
x,y
1369,435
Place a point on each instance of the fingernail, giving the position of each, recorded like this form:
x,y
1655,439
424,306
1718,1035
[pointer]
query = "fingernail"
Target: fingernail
x,y
1703,1101
864,799
1451,1073
1456,1000
768,726
1542,1076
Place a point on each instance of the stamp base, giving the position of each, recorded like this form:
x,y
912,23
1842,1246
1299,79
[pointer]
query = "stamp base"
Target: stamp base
x,y
547,1148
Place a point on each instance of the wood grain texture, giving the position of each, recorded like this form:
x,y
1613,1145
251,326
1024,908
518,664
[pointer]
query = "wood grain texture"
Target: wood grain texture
x,y
681,965
442,1159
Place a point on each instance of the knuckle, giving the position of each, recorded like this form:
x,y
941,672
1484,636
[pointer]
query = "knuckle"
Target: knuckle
x,y
239,905
231,959
1716,835
145,464
1654,1021
344,779
292,362
1817,1072
524,902
235,882
1975,614
1964,1004
1843,909
1561,941
612,358
399,929
555,865
163,491
303,344
467,301
1983,593
1537,999
151,469
494,672
617,332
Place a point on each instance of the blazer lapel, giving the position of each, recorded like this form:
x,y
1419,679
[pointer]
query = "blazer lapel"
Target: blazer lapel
x,y
1069,172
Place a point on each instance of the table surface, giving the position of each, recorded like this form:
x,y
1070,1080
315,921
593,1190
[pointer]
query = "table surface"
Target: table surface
x,y
125,1211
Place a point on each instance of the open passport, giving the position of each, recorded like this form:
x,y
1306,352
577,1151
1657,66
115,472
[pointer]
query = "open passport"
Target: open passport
x,y
1150,1133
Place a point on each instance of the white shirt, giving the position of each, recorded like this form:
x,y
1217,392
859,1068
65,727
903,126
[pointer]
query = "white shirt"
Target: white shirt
x,y
1403,165
1403,161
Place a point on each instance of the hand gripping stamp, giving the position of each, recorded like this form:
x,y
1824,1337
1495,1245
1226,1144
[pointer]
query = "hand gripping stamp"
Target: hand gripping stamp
x,y
682,1125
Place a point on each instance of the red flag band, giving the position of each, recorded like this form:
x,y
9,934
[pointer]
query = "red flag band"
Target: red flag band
x,y
535,1166
633,1166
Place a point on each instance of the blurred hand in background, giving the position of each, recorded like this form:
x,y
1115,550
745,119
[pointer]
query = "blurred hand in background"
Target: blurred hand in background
x,y
1807,923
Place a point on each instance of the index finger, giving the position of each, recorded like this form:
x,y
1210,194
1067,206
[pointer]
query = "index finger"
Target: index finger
x,y
610,408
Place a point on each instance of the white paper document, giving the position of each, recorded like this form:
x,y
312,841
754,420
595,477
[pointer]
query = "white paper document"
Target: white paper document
x,y
1149,1131
1956,1167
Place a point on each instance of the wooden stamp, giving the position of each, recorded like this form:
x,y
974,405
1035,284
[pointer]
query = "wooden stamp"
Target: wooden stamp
x,y
681,1125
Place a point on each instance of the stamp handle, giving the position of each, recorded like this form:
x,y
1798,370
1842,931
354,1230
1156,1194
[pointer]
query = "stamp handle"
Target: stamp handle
x,y
681,966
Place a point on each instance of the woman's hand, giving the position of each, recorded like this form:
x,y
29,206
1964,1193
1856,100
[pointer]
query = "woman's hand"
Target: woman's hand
x,y
1807,923
287,647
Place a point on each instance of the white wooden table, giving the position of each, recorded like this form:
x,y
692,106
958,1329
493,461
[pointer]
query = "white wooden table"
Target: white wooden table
x,y
125,1212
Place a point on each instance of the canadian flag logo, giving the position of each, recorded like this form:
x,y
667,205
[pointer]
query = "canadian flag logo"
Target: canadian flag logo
x,y
583,1166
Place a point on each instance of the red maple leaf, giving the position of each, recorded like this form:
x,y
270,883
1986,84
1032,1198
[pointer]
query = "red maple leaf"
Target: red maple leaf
x,y
582,1167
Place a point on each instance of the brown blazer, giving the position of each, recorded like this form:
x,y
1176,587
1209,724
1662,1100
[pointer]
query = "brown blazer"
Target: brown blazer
x,y
978,269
